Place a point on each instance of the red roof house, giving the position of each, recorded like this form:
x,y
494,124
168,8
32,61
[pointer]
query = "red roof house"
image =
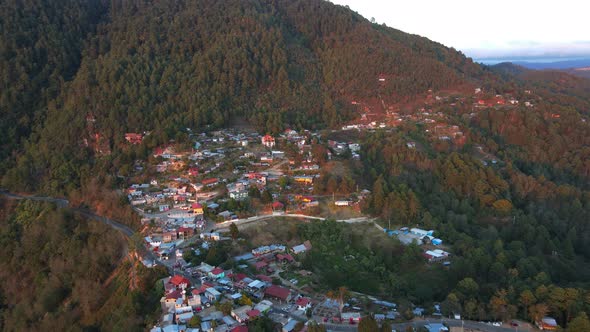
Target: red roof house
x,y
240,328
217,271
260,265
179,281
285,258
173,296
278,206
268,141
253,313
193,171
303,303
278,292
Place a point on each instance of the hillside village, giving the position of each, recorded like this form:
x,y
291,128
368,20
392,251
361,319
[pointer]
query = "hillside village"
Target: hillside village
x,y
190,195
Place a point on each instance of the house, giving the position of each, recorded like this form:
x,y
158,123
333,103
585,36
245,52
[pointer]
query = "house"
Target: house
x,y
421,232
193,171
214,236
185,232
239,194
256,285
227,320
290,326
263,306
298,249
278,206
211,182
212,294
353,317
241,314
303,303
268,141
436,255
195,301
277,292
170,236
168,302
240,328
284,258
303,179
217,273
179,281
548,324
253,313
436,327
197,208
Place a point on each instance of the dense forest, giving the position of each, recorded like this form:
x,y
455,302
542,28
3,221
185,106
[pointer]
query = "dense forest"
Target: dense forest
x,y
161,66
77,75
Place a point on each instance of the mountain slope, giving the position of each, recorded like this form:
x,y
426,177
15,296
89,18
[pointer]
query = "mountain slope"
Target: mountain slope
x,y
162,66
40,48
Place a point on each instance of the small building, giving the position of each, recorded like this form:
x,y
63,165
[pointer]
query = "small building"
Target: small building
x,y
263,306
290,326
211,182
436,255
212,294
197,208
301,248
547,324
353,317
217,273
303,303
268,141
303,179
179,282
241,314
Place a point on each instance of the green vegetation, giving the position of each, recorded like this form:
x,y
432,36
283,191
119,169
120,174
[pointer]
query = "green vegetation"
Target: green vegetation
x,y
514,233
67,273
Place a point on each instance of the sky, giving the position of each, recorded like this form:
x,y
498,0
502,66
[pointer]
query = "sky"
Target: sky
x,y
489,29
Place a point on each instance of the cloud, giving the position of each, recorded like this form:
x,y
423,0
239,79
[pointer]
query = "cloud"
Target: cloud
x,y
532,49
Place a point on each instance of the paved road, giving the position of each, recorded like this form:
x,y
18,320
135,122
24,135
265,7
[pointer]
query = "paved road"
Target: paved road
x,y
420,323
64,203
238,222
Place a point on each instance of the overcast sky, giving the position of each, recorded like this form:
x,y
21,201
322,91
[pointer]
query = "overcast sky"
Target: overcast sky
x,y
489,28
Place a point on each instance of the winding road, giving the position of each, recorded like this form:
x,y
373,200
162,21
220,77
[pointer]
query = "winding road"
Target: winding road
x,y
64,203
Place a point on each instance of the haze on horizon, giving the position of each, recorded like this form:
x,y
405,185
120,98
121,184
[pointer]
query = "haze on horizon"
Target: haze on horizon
x,y
494,29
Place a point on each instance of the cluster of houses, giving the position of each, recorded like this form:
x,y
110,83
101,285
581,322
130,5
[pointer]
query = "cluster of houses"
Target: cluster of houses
x,y
248,296
421,237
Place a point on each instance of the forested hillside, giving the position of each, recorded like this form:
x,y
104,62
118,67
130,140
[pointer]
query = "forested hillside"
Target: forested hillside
x,y
64,272
161,66
41,46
